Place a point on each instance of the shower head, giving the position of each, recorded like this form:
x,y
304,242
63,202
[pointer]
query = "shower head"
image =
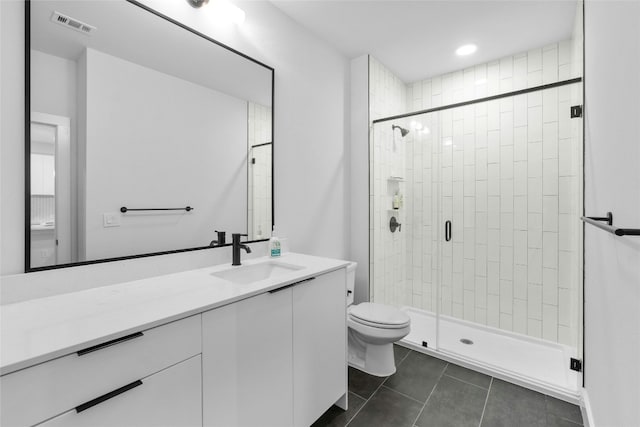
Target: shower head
x,y
403,131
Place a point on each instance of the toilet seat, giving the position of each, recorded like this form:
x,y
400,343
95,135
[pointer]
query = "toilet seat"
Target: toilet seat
x,y
379,316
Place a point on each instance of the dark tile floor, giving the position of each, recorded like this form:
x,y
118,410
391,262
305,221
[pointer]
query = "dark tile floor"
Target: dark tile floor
x,y
426,392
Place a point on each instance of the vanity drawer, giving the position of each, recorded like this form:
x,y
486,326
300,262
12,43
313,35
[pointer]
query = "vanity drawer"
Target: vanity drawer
x,y
40,392
171,397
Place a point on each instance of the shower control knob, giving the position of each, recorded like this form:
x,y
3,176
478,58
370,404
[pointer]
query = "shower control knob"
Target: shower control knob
x,y
394,224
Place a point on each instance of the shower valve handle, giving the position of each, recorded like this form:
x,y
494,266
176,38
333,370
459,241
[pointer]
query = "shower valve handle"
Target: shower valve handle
x,y
394,224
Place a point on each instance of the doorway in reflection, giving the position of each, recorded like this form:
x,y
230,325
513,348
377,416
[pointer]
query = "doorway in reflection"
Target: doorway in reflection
x,y
51,241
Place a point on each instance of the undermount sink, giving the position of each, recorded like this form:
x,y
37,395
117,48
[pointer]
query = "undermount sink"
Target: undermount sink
x,y
245,274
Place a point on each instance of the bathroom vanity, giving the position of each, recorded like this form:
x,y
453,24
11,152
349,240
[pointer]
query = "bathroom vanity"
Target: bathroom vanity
x,y
259,344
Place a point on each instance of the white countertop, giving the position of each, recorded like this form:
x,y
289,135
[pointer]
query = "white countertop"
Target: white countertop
x,y
38,330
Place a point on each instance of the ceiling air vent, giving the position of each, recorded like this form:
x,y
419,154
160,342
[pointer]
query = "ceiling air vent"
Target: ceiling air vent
x,y
71,23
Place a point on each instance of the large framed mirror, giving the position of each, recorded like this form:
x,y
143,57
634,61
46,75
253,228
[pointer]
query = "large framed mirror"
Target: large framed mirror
x,y
143,136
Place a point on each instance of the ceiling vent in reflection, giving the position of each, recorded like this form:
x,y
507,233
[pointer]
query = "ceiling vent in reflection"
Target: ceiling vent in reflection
x,y
71,23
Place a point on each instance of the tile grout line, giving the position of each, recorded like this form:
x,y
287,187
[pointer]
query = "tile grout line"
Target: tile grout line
x,y
485,403
378,388
403,359
365,402
402,394
466,382
429,397
361,397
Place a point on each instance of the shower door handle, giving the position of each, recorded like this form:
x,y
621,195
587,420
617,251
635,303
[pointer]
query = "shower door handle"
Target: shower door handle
x,y
447,230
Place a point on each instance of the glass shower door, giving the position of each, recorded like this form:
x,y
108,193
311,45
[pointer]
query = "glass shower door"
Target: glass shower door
x,y
404,198
511,196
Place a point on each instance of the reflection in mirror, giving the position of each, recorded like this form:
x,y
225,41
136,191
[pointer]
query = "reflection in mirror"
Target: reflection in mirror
x,y
123,115
50,191
260,179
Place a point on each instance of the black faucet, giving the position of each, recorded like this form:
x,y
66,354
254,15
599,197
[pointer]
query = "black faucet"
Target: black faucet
x,y
222,239
236,248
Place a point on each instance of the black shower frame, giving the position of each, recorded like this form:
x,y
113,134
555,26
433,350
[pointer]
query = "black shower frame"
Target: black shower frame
x,y
479,100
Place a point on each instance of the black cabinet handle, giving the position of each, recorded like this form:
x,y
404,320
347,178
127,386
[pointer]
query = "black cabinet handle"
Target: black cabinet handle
x,y
107,396
447,230
273,291
109,343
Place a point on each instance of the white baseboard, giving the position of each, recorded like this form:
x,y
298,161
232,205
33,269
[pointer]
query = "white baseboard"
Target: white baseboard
x,y
585,408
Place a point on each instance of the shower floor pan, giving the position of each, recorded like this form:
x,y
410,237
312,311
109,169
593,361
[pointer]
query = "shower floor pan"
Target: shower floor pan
x,y
537,364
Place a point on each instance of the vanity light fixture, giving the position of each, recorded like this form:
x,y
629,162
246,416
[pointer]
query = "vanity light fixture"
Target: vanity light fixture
x,y
466,49
223,9
197,3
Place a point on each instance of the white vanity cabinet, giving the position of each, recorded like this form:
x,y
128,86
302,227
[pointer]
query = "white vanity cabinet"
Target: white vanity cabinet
x,y
246,362
319,346
276,359
171,397
264,346
101,373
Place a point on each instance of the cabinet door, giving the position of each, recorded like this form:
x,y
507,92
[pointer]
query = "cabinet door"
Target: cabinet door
x,y
171,397
319,345
247,352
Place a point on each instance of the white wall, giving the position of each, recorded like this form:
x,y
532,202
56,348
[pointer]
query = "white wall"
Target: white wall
x,y
53,85
311,169
165,156
12,137
612,183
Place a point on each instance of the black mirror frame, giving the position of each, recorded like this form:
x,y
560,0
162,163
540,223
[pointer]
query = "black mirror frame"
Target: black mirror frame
x,y
27,145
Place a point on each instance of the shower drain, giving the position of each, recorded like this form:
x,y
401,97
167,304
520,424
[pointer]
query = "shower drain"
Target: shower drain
x,y
466,341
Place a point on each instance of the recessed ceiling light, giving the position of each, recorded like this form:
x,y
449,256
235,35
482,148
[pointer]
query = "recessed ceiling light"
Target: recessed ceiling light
x,y
230,11
466,49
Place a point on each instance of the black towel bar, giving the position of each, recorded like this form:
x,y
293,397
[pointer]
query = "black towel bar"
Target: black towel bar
x,y
126,209
597,221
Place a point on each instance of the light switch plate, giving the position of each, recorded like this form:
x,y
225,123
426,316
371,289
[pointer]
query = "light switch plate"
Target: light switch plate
x,y
111,219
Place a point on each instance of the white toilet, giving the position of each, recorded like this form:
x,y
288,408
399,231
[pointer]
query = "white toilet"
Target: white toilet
x,y
373,328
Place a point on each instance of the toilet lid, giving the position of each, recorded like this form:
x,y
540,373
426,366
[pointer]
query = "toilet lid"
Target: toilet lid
x,y
379,314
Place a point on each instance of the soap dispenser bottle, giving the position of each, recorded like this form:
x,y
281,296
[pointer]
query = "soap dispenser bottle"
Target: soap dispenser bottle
x,y
274,245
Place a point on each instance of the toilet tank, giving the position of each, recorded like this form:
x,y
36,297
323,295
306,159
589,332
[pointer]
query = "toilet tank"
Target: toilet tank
x,y
351,282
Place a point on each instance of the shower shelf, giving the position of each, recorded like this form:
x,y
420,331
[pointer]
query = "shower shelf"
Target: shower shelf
x,y
396,178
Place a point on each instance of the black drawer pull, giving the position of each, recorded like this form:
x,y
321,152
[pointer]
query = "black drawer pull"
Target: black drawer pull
x,y
109,343
273,291
107,396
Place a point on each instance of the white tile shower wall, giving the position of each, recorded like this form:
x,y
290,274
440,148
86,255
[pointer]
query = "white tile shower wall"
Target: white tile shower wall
x,y
388,259
43,209
510,186
259,183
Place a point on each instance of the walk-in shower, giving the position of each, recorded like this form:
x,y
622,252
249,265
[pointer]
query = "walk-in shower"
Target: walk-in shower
x,y
488,261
